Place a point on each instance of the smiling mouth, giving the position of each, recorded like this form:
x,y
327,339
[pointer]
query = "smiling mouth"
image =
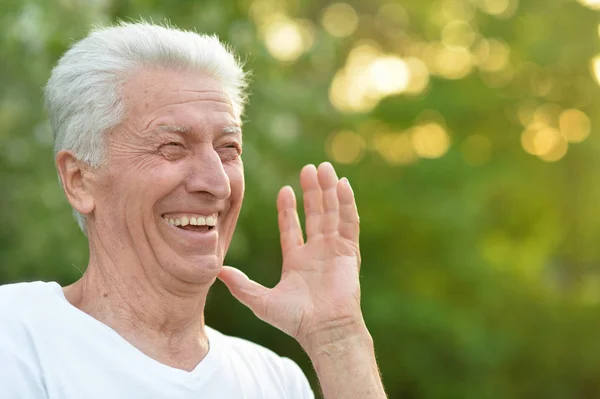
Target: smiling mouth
x,y
195,223
199,229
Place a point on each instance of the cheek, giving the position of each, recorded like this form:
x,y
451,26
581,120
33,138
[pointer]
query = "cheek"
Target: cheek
x,y
236,182
146,179
146,164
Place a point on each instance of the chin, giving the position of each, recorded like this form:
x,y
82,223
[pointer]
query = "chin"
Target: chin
x,y
198,269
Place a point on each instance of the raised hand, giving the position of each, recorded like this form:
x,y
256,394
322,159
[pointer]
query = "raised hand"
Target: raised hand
x,y
317,299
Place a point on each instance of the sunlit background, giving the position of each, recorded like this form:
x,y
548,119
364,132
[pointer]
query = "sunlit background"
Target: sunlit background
x,y
470,132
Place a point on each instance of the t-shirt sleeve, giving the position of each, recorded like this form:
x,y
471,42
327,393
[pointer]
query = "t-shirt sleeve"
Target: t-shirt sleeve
x,y
297,383
18,379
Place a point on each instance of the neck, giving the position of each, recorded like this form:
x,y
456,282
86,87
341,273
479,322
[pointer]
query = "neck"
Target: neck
x,y
160,316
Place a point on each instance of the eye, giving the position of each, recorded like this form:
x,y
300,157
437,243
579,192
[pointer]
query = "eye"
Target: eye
x,y
172,150
230,151
172,145
234,146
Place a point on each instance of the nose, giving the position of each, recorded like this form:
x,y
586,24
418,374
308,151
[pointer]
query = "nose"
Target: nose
x,y
208,175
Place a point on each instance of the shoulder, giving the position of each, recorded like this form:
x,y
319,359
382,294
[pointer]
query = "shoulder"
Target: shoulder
x,y
23,303
19,297
19,305
258,357
16,290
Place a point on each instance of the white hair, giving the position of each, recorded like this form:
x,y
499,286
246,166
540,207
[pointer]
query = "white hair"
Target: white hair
x,y
83,94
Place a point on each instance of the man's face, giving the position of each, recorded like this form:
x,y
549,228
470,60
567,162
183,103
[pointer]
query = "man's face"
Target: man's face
x,y
175,160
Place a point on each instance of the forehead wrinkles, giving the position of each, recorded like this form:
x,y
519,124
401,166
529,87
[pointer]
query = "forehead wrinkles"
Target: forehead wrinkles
x,y
151,91
216,104
194,111
182,96
156,98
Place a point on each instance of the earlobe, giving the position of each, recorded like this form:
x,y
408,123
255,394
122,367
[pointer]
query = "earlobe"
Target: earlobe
x,y
73,177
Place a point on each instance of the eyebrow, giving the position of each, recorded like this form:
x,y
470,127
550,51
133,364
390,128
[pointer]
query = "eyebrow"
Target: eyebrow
x,y
184,129
232,129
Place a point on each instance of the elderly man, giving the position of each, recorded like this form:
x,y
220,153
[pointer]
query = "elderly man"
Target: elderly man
x,y
148,147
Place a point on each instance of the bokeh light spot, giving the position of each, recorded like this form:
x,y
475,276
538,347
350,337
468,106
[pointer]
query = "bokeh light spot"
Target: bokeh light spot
x,y
262,10
369,76
596,68
499,55
480,50
340,20
593,4
454,10
389,75
547,114
453,62
545,142
419,76
430,140
307,31
392,19
526,111
458,34
283,39
499,8
528,138
557,152
575,125
395,148
350,91
346,147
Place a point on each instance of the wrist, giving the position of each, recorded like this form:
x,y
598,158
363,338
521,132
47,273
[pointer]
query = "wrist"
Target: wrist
x,y
344,360
338,339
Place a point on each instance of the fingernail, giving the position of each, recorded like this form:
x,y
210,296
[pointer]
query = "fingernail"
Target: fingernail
x,y
347,183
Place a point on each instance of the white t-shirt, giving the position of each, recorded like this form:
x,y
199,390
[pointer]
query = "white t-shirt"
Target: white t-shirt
x,y
50,349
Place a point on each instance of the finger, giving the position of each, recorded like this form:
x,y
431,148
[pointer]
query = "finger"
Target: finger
x,y
331,207
290,232
349,220
248,292
313,200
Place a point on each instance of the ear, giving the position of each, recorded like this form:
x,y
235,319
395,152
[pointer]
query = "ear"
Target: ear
x,y
74,177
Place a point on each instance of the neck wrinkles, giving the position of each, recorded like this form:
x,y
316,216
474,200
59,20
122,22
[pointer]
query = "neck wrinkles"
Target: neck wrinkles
x,y
156,313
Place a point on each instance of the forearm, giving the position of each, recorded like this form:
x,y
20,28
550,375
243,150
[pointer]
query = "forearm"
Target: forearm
x,y
347,368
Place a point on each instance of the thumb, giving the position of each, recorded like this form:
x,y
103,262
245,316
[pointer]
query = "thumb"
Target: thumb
x,y
248,292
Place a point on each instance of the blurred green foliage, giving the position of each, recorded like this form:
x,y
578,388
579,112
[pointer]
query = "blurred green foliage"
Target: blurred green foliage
x,y
481,274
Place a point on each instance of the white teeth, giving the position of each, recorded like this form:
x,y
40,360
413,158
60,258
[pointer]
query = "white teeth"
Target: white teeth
x,y
194,221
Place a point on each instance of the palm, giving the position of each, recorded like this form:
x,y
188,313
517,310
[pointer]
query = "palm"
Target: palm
x,y
314,291
319,286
